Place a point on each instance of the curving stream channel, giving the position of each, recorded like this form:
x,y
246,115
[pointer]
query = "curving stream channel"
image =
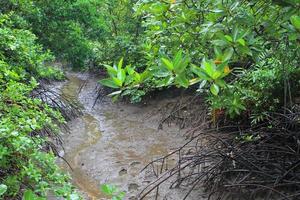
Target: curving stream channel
x,y
112,142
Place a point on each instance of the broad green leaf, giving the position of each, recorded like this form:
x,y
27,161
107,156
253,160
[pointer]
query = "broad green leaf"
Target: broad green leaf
x,y
241,41
130,79
219,43
216,75
228,54
235,34
108,82
117,81
228,38
120,64
293,36
218,52
220,82
208,68
111,71
3,189
121,75
137,77
145,75
200,72
214,89
29,195
245,50
177,59
130,70
168,64
181,66
182,81
295,20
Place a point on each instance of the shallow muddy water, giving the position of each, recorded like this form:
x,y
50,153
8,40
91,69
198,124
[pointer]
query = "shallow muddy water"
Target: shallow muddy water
x,y
112,142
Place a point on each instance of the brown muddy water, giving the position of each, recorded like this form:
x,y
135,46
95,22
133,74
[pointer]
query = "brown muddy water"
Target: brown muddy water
x,y
112,142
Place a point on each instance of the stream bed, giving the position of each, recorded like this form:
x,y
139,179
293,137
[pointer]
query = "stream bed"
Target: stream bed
x,y
112,142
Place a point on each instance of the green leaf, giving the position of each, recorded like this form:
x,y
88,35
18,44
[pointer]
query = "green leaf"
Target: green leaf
x,y
177,59
200,72
214,89
227,54
182,81
295,20
3,189
181,66
216,75
235,34
107,189
145,75
130,70
121,75
120,64
241,41
111,71
220,82
29,195
108,82
208,68
168,64
219,42
117,81
218,52
228,38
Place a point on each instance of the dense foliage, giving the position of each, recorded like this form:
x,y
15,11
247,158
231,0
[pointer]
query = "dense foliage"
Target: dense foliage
x,y
244,53
25,163
81,32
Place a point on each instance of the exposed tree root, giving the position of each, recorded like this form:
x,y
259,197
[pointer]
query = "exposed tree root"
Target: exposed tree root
x,y
68,108
186,112
236,163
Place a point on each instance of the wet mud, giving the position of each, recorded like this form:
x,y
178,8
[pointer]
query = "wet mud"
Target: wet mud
x,y
112,142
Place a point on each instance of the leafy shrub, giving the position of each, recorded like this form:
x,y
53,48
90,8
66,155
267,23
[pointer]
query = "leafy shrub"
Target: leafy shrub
x,y
24,161
254,55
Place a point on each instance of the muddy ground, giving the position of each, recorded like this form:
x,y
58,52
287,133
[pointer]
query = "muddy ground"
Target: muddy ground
x,y
112,142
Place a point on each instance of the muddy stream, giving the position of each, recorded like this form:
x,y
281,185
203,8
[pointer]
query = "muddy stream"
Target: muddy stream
x,y
112,142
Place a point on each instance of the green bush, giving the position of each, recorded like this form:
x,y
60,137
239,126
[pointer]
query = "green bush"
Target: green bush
x,y
24,161
258,53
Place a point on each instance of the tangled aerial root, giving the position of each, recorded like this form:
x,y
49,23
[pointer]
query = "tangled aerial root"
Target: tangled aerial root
x,y
186,112
66,106
236,163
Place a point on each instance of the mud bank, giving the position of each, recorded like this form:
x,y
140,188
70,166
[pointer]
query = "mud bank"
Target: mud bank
x,y
112,142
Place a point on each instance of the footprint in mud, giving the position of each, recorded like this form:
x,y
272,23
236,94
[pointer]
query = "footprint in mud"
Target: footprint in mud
x,y
135,163
133,187
122,172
